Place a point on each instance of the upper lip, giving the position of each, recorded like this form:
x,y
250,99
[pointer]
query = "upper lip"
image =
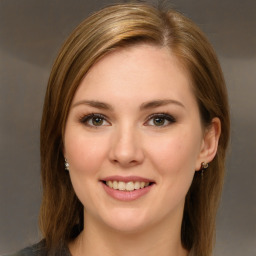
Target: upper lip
x,y
126,178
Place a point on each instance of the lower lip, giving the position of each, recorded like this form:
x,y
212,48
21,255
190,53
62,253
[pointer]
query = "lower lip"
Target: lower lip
x,y
126,195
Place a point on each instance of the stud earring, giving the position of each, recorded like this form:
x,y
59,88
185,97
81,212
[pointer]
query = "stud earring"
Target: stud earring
x,y
204,166
66,165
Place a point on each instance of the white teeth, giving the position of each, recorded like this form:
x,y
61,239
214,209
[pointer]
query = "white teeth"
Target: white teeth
x,y
137,185
110,183
126,186
121,185
129,186
115,185
142,184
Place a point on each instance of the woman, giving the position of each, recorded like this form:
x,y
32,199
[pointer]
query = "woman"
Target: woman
x,y
134,132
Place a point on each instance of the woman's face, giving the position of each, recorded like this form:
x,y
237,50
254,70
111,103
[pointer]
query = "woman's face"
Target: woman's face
x,y
134,139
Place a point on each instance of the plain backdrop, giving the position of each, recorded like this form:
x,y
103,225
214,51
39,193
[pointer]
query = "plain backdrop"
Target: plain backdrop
x,y
31,33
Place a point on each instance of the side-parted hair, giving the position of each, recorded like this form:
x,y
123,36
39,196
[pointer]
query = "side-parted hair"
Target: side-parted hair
x,y
123,25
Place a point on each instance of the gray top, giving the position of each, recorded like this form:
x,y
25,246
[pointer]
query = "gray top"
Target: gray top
x,y
40,250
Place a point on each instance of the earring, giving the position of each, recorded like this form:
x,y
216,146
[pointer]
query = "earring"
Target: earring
x,y
204,166
66,165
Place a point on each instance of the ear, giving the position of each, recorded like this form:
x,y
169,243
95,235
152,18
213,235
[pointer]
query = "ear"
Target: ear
x,y
209,143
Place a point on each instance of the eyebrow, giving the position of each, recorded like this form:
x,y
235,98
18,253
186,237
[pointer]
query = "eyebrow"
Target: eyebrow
x,y
144,106
159,103
94,104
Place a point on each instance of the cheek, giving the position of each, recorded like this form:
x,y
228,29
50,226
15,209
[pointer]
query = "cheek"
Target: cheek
x,y
175,154
85,153
86,156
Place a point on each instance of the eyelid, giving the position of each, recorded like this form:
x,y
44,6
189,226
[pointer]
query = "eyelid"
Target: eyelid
x,y
85,118
163,115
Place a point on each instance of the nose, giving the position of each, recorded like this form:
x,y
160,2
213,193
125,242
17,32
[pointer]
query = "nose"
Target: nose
x,y
126,147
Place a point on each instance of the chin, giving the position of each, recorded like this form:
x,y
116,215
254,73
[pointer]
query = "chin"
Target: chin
x,y
127,221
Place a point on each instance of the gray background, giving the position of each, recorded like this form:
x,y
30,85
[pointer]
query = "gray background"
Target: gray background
x,y
31,32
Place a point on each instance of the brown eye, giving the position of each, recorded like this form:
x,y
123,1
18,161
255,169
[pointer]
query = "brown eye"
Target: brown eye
x,y
94,120
97,121
160,120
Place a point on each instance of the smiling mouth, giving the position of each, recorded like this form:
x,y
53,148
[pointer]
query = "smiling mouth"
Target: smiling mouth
x,y
127,186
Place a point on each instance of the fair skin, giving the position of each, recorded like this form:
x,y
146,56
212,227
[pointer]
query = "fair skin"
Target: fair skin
x,y
147,128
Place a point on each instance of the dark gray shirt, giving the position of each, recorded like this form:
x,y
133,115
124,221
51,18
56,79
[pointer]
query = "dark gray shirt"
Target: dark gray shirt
x,y
39,249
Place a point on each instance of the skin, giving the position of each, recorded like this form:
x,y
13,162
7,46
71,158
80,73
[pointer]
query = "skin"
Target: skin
x,y
129,141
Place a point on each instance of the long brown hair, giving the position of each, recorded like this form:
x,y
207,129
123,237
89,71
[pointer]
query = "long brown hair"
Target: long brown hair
x,y
61,217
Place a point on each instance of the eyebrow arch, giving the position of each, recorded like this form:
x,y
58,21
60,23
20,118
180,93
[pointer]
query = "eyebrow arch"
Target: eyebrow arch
x,y
95,104
159,103
144,106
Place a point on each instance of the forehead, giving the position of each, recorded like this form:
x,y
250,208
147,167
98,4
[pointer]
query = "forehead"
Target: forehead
x,y
137,72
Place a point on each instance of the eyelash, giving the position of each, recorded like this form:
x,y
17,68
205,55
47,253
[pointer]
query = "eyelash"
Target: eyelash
x,y
167,117
164,116
85,119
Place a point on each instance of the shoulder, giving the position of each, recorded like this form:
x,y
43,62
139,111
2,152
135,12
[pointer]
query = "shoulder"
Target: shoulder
x,y
39,249
34,250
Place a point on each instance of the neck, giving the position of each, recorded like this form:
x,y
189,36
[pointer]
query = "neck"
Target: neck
x,y
161,239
